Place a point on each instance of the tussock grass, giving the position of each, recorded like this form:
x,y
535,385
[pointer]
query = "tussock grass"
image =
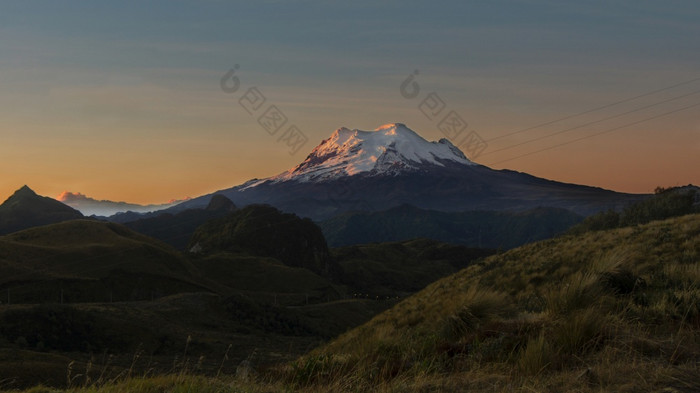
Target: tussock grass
x,y
475,307
537,356
580,291
581,332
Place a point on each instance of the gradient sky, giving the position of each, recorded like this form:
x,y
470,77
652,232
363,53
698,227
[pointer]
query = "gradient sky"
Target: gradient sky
x,y
121,100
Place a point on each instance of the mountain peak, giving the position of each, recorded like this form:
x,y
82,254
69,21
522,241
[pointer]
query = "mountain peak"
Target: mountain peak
x,y
388,150
24,191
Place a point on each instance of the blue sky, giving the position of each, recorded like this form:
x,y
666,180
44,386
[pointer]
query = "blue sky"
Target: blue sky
x,y
121,100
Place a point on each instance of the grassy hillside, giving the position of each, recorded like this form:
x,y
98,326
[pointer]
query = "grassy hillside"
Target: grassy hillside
x,y
199,333
132,304
195,333
606,311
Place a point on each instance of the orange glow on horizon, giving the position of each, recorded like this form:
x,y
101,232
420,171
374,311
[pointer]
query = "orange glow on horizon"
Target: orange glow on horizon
x,y
633,161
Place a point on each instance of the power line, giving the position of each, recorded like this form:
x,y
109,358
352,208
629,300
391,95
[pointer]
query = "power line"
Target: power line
x,y
594,109
592,123
597,134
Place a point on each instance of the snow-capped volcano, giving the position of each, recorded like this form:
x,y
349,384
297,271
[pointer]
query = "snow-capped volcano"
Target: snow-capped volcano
x,y
372,171
390,149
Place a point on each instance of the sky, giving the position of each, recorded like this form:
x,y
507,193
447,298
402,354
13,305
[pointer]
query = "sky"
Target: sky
x,y
123,100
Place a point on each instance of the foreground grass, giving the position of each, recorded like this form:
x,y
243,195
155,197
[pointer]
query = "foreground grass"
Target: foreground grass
x,y
614,311
169,383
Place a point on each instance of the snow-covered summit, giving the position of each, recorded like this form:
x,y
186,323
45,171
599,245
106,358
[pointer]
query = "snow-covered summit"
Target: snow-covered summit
x,y
390,149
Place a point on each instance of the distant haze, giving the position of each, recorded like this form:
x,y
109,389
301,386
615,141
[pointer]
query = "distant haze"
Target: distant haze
x,y
89,206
